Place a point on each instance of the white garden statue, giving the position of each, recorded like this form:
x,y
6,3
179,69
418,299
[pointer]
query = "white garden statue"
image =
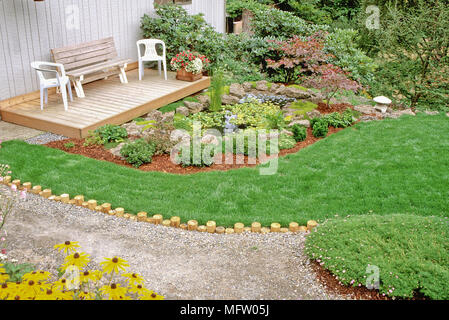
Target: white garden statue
x,y
382,103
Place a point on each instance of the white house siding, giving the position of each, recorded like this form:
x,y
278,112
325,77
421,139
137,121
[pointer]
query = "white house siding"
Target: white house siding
x,y
29,29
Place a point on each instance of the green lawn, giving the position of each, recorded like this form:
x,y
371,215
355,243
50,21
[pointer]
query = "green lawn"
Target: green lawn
x,y
391,166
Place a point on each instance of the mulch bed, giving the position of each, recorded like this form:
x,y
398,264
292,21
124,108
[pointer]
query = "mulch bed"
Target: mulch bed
x,y
337,107
333,285
163,163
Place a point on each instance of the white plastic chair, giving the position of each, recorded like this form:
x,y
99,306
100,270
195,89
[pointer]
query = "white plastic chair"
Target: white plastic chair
x,y
60,80
151,54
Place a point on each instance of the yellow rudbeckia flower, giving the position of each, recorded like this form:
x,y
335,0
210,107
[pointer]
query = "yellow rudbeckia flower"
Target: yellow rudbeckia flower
x,y
3,277
151,296
36,276
113,291
133,278
76,259
67,247
54,294
85,295
114,264
2,270
88,275
7,289
138,289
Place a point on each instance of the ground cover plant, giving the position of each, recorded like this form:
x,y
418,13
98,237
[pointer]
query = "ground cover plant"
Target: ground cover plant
x,y
404,170
409,251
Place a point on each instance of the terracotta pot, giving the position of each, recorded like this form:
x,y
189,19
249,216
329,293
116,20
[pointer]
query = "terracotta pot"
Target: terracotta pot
x,y
182,74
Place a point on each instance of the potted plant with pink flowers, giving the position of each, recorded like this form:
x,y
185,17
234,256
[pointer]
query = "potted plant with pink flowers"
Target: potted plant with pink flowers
x,y
189,65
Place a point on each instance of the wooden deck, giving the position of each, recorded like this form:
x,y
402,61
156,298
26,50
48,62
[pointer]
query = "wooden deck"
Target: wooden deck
x,y
106,102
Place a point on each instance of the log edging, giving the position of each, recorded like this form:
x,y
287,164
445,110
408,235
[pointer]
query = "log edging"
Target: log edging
x,y
158,219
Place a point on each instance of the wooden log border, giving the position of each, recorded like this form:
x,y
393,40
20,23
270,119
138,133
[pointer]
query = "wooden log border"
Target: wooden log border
x,y
158,219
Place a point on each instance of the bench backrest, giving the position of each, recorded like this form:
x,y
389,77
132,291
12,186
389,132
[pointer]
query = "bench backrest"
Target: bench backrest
x,y
85,54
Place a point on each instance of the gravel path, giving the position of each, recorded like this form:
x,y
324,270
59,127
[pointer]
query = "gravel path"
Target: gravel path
x,y
177,264
45,138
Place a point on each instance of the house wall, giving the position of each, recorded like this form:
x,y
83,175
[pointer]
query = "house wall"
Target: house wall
x,y
29,29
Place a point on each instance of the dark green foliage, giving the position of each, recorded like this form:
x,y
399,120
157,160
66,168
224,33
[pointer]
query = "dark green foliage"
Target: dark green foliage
x,y
138,152
340,120
299,132
69,145
280,24
320,127
198,155
17,270
416,42
112,133
181,32
409,251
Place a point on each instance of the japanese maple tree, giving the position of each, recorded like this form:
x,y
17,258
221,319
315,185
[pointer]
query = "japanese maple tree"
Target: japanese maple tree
x,y
304,60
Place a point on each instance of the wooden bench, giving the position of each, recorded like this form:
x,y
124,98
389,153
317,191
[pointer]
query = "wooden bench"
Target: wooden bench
x,y
91,61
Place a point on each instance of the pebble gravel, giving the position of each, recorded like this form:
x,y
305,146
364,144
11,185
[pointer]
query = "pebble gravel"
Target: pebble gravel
x,y
45,138
175,263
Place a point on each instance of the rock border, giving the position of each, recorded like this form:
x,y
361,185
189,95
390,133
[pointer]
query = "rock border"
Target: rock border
x,y
158,219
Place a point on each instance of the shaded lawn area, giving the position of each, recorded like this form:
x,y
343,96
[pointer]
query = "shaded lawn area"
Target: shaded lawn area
x,y
382,167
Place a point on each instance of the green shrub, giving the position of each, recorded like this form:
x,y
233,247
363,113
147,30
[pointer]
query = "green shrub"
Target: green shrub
x,y
414,46
409,251
69,145
340,120
320,127
299,132
138,152
286,142
93,138
342,44
280,24
197,160
112,133
181,31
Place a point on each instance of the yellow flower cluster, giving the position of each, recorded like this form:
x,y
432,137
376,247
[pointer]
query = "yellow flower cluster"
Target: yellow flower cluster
x,y
77,283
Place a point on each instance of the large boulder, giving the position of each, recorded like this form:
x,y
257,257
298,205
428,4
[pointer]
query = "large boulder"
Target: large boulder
x,y
204,99
304,123
194,107
316,97
237,90
228,99
365,109
247,86
168,116
297,93
116,151
280,90
210,139
262,85
313,114
154,115
132,129
183,110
